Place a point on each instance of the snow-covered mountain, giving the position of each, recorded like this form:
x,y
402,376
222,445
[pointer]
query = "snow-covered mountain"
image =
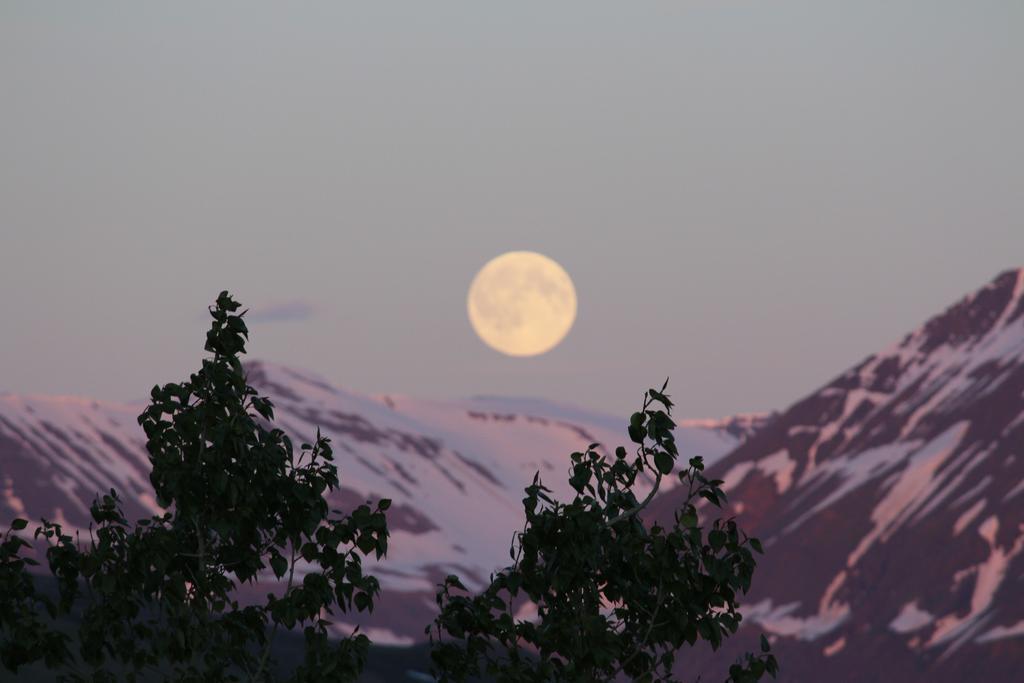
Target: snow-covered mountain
x,y
891,503
454,469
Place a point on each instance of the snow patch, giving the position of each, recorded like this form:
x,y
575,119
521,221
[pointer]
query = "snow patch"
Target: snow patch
x,y
915,485
989,576
780,466
1015,491
736,474
1000,632
15,504
973,491
911,618
149,502
834,648
968,516
379,636
844,475
780,620
988,529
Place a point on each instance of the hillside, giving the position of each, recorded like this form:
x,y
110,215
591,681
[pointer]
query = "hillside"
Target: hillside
x,y
454,469
891,503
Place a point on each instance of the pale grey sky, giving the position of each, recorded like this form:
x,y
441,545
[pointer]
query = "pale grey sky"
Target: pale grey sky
x,y
749,195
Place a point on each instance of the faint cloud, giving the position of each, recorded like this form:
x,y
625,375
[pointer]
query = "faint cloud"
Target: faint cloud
x,y
285,311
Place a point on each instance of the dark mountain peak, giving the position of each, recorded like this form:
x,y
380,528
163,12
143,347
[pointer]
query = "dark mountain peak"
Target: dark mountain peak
x,y
891,501
974,316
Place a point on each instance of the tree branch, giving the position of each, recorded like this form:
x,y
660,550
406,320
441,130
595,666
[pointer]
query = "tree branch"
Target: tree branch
x,y
273,633
639,506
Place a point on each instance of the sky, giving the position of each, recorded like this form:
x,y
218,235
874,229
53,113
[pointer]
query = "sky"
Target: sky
x,y
750,196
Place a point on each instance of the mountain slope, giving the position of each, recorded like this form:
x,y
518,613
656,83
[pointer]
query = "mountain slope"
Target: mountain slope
x,y
891,503
454,469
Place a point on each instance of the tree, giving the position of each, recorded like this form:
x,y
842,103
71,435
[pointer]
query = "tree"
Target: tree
x,y
612,596
158,598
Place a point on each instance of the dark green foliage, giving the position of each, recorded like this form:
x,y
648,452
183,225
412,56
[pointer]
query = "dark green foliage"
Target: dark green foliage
x,y
158,597
155,600
24,635
613,596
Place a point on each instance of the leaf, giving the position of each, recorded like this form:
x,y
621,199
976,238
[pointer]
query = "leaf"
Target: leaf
x,y
709,496
19,524
660,397
366,544
765,647
637,434
279,565
663,461
453,580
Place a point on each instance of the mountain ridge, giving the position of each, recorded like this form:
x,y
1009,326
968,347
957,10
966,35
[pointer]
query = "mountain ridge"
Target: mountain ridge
x,y
434,459
896,489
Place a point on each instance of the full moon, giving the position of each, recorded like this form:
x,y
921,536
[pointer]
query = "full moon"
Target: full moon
x,y
522,303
